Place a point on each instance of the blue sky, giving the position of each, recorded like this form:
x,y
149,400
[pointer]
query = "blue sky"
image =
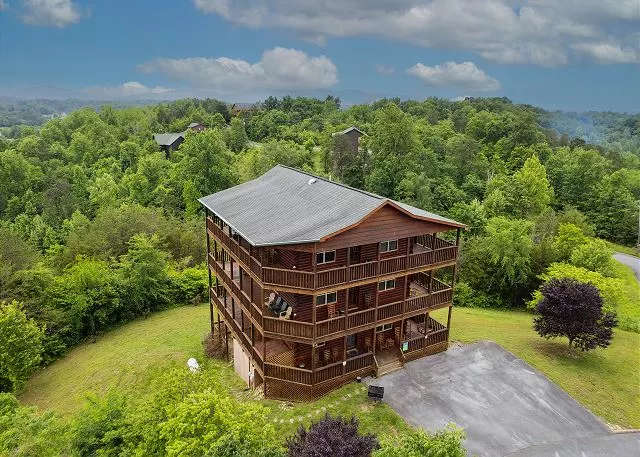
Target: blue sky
x,y
564,54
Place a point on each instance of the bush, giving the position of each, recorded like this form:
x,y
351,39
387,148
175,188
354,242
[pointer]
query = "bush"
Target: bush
x,y
20,346
24,432
189,285
569,237
465,296
574,310
331,436
594,255
442,443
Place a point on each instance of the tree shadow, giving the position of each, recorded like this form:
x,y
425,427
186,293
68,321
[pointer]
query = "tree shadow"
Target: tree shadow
x,y
558,348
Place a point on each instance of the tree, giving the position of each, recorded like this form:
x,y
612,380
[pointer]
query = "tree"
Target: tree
x,y
569,237
529,192
143,275
499,263
346,164
20,346
331,436
258,161
87,293
206,161
574,310
237,135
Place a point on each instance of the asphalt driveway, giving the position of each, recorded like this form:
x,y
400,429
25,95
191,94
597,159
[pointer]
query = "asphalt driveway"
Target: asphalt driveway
x,y
630,261
505,406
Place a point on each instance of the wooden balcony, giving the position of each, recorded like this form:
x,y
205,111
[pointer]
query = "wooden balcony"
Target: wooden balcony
x,y
427,252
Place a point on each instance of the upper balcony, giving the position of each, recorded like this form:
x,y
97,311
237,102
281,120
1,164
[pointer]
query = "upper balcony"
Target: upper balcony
x,y
282,267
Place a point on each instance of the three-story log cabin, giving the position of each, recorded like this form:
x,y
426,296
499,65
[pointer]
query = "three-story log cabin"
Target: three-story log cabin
x,y
314,283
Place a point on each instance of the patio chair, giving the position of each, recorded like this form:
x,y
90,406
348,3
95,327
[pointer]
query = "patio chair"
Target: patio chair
x,y
331,310
382,344
335,353
327,356
367,343
397,334
286,314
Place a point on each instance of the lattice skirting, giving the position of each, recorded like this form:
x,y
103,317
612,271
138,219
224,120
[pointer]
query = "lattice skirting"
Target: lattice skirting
x,y
277,389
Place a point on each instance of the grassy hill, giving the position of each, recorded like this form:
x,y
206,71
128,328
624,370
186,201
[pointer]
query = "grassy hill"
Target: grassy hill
x,y
605,381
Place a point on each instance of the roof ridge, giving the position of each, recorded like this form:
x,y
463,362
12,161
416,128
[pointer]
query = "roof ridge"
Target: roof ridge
x,y
370,194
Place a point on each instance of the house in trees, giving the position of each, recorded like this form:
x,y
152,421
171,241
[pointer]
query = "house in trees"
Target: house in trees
x,y
170,142
240,109
353,135
313,283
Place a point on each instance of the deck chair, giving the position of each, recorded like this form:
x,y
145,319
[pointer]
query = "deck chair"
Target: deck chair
x,y
286,314
397,334
382,344
367,343
327,356
331,310
335,353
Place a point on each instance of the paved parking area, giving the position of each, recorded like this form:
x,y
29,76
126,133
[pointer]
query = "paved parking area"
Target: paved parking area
x,y
505,406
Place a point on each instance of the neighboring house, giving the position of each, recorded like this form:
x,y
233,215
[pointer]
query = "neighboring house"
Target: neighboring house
x,y
353,135
169,142
239,109
317,283
196,127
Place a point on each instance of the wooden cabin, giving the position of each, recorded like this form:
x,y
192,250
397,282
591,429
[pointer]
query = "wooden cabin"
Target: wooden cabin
x,y
314,283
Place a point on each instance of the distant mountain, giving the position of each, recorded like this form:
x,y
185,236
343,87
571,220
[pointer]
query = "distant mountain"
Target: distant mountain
x,y
14,111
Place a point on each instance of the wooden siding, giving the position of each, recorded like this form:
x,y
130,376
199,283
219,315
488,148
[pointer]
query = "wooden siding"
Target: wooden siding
x,y
387,223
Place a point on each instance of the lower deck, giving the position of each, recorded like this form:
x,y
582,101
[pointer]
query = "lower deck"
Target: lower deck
x,y
290,370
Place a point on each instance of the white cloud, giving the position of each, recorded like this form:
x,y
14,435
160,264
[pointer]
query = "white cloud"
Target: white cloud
x,y
463,75
129,89
52,13
384,70
279,68
540,32
608,53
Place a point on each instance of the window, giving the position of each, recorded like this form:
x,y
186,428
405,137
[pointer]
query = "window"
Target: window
x,y
325,257
323,299
386,285
391,245
384,327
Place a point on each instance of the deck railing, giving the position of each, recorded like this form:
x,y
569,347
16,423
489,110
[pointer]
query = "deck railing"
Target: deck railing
x,y
359,362
436,251
293,374
441,295
327,372
330,326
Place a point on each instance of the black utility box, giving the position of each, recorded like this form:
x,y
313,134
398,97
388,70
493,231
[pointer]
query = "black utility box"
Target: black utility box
x,y
376,392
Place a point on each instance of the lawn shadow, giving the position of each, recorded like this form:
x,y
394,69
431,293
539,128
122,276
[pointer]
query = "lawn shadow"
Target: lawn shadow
x,y
558,348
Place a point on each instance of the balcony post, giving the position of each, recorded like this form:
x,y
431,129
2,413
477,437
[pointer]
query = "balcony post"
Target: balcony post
x,y
344,356
348,276
433,242
449,318
313,315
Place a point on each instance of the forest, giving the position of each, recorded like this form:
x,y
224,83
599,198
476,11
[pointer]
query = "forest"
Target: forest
x,y
99,227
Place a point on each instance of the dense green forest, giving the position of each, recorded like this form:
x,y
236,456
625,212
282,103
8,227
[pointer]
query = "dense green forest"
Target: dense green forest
x,y
99,227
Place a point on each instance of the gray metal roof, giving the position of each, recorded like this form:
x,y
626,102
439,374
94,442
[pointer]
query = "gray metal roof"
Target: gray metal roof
x,y
167,139
288,206
193,124
349,129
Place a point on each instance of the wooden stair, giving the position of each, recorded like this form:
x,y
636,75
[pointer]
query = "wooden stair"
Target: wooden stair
x,y
381,370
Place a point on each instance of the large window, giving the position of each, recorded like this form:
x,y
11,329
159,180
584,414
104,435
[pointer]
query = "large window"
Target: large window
x,y
384,327
323,299
325,257
386,285
391,245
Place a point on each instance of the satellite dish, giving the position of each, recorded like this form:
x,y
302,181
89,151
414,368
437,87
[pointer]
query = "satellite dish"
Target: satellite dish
x,y
193,365
312,180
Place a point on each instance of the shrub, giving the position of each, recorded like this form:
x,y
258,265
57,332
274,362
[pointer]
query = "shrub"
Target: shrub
x,y
467,297
20,346
594,255
25,432
331,436
189,285
569,237
573,309
442,443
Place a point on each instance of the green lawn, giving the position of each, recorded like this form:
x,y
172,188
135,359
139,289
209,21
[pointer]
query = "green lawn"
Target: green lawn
x,y
628,310
624,249
605,381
